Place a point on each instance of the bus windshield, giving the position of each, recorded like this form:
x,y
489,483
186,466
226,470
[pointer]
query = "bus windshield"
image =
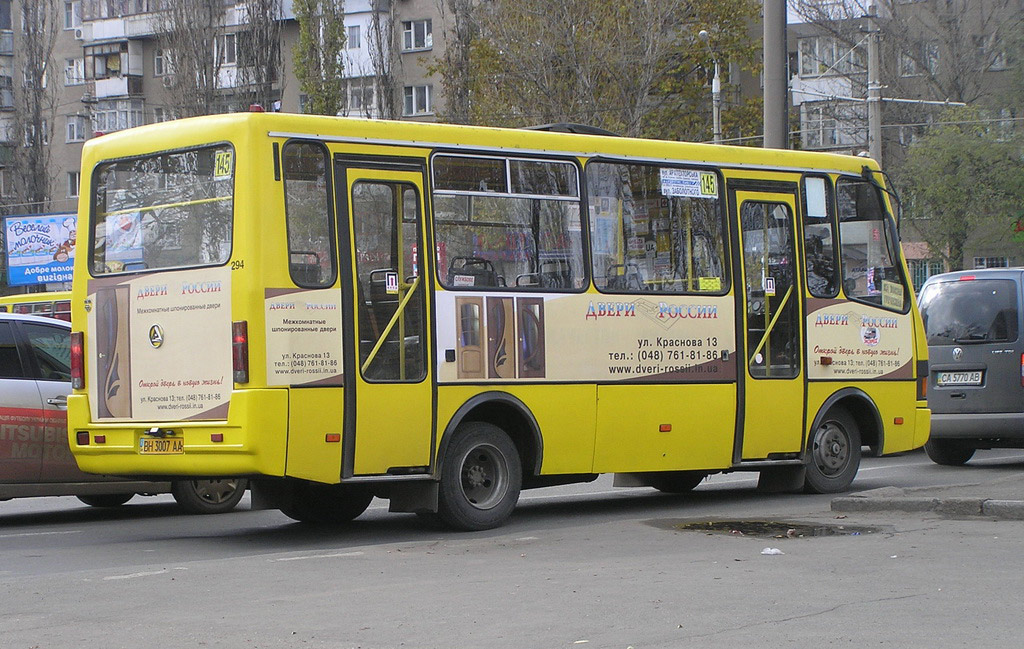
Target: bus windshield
x,y
170,210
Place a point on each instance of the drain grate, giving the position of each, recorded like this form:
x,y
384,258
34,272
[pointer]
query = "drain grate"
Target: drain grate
x,y
773,529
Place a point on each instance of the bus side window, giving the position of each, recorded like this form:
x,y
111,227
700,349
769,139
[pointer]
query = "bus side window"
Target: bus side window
x,y
868,250
311,254
819,237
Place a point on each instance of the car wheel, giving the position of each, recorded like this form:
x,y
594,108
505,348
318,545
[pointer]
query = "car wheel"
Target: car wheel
x,y
948,452
106,500
677,482
480,478
834,454
324,504
213,496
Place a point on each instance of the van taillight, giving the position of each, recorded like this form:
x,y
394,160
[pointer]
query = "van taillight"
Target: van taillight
x,y
240,351
77,355
1022,370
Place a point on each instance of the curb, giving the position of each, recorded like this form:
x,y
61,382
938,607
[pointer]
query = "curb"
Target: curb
x,y
948,507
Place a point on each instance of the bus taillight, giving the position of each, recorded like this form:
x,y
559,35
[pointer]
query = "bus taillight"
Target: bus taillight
x,y
77,354
240,350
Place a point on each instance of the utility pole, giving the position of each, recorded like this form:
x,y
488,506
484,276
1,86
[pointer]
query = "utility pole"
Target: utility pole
x,y
716,89
874,90
776,85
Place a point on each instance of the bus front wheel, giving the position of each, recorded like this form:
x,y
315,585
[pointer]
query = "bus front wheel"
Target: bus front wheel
x,y
480,478
326,504
834,453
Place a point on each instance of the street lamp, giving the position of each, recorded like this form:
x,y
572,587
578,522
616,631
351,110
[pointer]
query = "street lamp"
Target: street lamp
x,y
716,89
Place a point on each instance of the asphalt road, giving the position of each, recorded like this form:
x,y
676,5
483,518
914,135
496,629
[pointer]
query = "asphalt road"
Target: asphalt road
x,y
581,566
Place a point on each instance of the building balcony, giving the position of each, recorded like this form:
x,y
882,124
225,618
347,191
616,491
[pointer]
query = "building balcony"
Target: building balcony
x,y
125,86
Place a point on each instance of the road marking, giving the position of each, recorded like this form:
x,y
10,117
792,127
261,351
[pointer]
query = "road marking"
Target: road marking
x,y
321,556
134,575
11,536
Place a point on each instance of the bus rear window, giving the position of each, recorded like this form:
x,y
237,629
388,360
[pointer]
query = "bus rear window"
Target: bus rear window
x,y
170,210
980,311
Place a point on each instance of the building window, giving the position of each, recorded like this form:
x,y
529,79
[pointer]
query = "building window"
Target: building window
x,y
991,262
821,55
74,72
159,63
74,179
115,115
417,35
105,61
30,134
6,183
354,42
227,49
161,114
76,128
359,95
922,269
417,100
72,14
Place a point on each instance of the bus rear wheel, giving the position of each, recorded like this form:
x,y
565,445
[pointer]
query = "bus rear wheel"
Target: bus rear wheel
x,y
214,496
326,504
677,482
106,500
834,453
480,479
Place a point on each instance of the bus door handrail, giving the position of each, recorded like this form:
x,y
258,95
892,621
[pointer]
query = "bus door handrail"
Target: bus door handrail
x,y
771,325
391,324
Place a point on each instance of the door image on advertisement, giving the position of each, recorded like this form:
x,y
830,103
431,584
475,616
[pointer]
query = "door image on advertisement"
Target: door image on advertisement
x,y
501,345
531,337
112,355
470,347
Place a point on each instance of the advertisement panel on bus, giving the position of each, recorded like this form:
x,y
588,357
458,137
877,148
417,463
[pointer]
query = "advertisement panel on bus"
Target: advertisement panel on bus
x,y
40,248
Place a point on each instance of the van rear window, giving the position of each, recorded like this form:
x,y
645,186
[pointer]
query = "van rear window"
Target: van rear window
x,y
978,311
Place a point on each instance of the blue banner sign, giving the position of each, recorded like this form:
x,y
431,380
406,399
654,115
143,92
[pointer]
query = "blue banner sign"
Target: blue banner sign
x,y
40,248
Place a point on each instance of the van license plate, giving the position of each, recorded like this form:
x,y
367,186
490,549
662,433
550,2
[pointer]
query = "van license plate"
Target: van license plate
x,y
960,378
161,446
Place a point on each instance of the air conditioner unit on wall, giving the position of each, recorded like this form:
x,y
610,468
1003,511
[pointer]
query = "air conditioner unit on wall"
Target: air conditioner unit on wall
x,y
79,34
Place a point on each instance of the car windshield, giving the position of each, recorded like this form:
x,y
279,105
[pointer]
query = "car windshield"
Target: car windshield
x,y
964,312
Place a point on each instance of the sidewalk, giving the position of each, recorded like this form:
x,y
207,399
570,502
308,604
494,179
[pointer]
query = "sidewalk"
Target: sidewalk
x,y
1002,498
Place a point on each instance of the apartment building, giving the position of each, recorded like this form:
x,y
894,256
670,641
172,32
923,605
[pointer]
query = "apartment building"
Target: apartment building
x,y
112,72
930,53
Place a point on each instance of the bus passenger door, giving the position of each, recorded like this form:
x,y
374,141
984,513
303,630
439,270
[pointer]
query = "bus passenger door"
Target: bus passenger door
x,y
389,418
770,422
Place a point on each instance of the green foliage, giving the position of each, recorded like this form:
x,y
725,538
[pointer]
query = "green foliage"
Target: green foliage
x,y
634,67
963,181
318,54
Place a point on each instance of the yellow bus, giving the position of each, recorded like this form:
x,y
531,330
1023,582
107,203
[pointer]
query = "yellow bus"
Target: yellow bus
x,y
255,298
56,304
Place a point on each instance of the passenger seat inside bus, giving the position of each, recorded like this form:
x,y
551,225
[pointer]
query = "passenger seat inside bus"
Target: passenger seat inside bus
x,y
473,271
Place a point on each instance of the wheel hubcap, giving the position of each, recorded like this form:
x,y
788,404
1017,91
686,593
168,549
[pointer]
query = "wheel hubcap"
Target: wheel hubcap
x,y
215,491
831,449
484,476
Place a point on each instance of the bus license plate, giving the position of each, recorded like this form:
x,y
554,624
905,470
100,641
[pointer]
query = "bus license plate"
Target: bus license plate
x,y
960,378
161,446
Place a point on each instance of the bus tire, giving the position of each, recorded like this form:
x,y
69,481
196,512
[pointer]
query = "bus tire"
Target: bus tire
x,y
833,453
948,452
326,504
677,482
214,496
480,478
106,500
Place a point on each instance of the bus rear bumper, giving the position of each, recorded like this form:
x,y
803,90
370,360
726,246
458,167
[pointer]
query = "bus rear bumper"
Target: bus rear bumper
x,y
252,441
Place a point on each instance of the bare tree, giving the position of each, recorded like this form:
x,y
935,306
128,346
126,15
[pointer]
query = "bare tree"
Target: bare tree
x,y
36,105
318,54
259,52
188,31
455,66
384,59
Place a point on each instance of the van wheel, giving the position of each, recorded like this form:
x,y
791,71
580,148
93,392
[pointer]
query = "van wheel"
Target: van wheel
x,y
326,504
677,482
834,454
948,452
106,500
480,478
209,496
